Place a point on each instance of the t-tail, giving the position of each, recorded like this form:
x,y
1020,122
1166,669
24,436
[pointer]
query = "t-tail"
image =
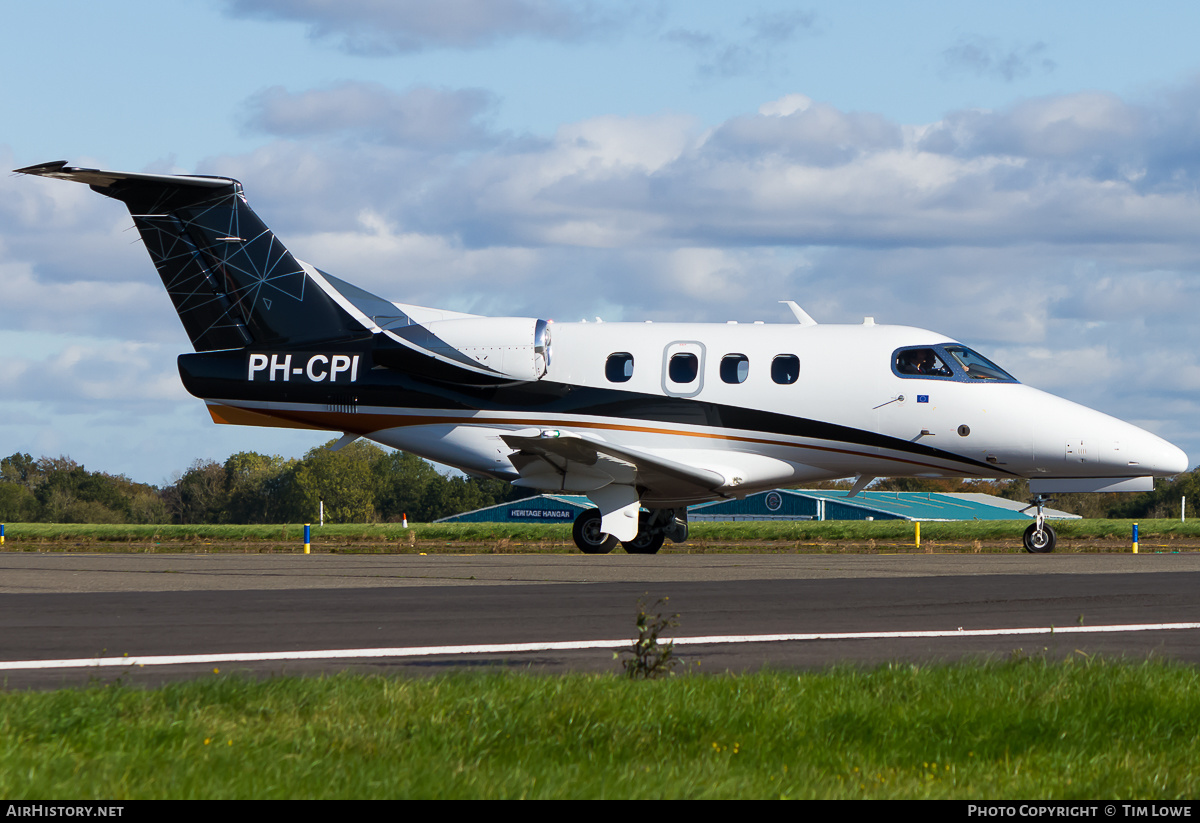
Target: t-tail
x,y
233,283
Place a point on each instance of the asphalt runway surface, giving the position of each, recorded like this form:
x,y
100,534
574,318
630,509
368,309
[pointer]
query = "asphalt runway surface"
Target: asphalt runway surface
x,y
423,610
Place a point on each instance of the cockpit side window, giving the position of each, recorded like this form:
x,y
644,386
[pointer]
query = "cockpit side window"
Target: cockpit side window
x,y
920,363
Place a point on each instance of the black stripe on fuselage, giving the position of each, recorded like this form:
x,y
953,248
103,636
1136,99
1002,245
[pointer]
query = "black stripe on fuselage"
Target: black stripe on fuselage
x,y
223,375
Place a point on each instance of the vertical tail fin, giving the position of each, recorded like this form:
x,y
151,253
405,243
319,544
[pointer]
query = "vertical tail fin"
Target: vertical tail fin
x,y
231,280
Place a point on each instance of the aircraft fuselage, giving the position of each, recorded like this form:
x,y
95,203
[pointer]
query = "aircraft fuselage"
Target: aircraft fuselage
x,y
847,411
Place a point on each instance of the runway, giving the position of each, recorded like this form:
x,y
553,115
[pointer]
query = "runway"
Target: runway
x,y
77,607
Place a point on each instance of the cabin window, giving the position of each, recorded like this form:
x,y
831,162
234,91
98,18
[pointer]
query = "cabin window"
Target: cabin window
x,y
735,368
683,368
619,367
785,369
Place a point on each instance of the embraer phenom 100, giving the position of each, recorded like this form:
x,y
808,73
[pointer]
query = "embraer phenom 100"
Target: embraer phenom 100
x,y
643,418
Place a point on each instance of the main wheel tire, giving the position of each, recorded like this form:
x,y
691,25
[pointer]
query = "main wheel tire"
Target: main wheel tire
x,y
1040,542
588,536
644,543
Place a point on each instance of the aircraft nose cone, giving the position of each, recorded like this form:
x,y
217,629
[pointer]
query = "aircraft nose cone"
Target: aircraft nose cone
x,y
1173,460
1157,457
1082,442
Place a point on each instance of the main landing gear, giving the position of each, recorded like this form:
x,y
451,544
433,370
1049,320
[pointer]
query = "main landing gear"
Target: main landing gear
x,y
654,528
1039,538
588,536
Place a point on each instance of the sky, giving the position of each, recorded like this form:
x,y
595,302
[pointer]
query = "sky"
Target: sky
x,y
1023,177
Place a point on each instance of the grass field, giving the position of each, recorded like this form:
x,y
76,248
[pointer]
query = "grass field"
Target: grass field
x,y
795,536
1025,728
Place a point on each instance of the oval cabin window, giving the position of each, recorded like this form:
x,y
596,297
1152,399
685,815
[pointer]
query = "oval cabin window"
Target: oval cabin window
x,y
785,369
735,368
619,367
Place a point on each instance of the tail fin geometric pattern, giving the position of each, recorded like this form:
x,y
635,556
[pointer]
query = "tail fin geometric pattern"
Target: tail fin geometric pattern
x,y
232,281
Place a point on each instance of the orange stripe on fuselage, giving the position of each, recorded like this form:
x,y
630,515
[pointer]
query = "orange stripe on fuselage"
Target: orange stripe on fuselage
x,y
365,424
233,416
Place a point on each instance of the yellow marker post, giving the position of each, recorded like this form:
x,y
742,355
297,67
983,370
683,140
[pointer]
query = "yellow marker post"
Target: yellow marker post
x,y
918,523
307,536
1135,540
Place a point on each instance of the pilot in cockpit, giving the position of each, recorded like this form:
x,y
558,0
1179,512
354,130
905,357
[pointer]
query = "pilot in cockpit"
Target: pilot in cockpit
x,y
921,362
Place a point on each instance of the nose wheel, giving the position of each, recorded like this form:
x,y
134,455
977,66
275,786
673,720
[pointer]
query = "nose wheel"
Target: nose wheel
x,y
1039,538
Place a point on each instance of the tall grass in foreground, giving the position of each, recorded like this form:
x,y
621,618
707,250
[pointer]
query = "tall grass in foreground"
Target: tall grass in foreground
x,y
1020,729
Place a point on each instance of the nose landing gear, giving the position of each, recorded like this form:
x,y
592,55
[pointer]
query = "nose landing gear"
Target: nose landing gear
x,y
1039,538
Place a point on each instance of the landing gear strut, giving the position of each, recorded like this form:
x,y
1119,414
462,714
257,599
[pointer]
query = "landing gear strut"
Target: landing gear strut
x,y
1039,538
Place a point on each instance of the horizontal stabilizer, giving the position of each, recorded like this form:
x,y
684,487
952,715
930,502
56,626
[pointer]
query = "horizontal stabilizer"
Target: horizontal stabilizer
x,y
231,280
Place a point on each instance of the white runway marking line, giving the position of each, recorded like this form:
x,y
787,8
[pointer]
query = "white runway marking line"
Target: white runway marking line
x,y
566,645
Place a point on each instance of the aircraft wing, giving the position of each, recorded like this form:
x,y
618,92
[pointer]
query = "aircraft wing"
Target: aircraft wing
x,y
573,463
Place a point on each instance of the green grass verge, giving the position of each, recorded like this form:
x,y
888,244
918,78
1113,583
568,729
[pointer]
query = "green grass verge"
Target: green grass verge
x,y
27,535
1025,728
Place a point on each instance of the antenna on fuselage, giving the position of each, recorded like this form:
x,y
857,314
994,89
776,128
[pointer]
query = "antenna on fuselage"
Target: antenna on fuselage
x,y
802,317
861,481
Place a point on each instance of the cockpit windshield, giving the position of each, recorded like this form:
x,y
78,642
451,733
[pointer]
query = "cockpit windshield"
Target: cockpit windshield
x,y
977,366
948,363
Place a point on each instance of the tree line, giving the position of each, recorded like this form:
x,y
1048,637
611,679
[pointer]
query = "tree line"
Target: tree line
x,y
360,483
363,483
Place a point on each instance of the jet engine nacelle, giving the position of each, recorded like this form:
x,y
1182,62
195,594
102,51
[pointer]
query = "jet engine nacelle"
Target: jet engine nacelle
x,y
517,347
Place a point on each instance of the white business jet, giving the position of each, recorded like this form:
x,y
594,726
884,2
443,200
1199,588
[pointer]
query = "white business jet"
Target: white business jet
x,y
643,418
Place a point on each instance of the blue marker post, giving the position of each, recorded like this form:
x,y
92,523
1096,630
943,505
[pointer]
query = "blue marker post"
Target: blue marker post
x,y
307,537
1135,541
1,534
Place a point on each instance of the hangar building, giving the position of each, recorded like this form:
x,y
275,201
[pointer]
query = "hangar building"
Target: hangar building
x,y
784,504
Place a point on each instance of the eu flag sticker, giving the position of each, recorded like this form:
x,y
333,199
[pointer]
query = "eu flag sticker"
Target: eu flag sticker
x,y
922,398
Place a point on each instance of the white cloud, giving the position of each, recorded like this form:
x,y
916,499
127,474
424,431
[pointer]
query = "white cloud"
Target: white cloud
x,y
788,104
410,267
802,173
121,374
